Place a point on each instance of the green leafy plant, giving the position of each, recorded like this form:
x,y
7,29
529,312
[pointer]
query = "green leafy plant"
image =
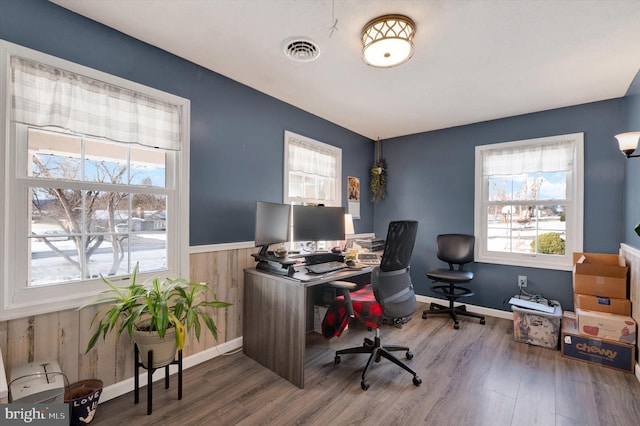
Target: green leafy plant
x,y
549,243
378,184
159,306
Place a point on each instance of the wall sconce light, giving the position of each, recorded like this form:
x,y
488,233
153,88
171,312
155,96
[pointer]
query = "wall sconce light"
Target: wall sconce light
x,y
628,142
387,41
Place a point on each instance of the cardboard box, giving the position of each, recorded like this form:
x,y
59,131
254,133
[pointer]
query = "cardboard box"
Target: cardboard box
x,y
535,327
614,355
569,322
319,312
600,274
602,304
619,328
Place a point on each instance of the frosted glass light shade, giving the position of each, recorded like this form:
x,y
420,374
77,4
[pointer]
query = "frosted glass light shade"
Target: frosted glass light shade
x,y
387,41
628,142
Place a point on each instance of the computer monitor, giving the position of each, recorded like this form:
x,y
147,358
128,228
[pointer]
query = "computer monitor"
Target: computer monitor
x,y
317,223
272,224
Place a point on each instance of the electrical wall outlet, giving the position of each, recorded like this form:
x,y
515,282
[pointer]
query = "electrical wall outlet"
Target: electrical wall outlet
x,y
522,281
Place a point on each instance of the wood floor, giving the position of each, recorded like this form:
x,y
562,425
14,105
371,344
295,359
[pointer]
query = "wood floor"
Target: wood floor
x,y
477,375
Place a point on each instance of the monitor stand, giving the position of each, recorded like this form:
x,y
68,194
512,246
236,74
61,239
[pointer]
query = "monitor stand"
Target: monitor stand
x,y
275,268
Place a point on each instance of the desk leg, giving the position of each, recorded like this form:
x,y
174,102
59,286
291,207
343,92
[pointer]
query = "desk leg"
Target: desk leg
x,y
274,324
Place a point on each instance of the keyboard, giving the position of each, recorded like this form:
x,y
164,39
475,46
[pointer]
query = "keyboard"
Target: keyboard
x,y
323,268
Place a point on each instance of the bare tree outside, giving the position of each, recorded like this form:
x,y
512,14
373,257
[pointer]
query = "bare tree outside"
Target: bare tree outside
x,y
97,222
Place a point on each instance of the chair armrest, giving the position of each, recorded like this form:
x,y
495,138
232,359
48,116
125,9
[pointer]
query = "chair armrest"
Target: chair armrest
x,y
344,288
344,285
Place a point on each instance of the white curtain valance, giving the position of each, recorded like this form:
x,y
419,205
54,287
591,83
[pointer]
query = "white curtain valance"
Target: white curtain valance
x,y
306,158
43,95
546,158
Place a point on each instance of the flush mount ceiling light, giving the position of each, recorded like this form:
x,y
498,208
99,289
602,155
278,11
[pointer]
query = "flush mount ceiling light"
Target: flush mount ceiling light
x,y
387,41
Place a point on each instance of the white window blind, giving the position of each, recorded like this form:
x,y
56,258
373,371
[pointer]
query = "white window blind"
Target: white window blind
x,y
312,171
311,159
43,95
552,157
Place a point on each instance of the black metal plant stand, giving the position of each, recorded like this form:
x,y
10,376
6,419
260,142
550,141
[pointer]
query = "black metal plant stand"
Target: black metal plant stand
x,y
138,364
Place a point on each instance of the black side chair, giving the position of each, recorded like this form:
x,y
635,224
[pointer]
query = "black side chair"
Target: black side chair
x,y
456,250
389,299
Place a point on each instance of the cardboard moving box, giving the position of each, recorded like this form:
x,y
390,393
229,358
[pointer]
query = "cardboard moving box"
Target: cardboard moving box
x,y
619,328
600,274
602,304
615,355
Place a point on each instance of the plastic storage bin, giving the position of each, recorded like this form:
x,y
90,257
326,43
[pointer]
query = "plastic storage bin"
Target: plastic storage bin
x,y
537,328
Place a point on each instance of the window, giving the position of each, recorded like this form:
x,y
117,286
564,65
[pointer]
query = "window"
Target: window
x,y
312,171
97,172
529,202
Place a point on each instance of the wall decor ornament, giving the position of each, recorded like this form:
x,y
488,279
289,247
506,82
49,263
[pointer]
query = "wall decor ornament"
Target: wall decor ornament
x,y
379,180
378,175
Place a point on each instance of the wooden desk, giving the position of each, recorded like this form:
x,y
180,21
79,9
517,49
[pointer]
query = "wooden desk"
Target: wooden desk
x,y
277,313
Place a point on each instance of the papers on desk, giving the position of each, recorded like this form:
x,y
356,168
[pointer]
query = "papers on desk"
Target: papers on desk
x,y
303,276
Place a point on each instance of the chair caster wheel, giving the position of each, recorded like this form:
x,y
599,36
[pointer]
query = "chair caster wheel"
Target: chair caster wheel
x,y
336,360
481,320
417,380
408,355
424,315
456,325
364,385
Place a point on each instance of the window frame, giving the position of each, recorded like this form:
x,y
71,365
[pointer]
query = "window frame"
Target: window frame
x,y
574,209
17,299
336,200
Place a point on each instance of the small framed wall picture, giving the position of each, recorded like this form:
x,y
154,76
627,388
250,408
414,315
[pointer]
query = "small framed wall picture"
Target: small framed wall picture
x,y
353,196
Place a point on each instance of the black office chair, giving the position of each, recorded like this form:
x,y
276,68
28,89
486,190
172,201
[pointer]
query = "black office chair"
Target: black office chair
x,y
389,299
456,250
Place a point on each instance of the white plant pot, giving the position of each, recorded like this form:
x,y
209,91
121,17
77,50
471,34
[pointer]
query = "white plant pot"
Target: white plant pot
x,y
164,350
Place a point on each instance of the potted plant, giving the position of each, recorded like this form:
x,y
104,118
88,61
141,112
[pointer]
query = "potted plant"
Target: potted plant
x,y
378,182
162,312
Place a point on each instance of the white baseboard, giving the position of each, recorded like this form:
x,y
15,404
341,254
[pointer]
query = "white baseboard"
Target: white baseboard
x,y
117,389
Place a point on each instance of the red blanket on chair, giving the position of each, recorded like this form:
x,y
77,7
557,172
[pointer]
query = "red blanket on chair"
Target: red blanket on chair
x,y
365,308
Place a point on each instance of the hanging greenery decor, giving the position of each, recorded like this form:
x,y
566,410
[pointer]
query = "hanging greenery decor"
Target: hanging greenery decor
x,y
378,180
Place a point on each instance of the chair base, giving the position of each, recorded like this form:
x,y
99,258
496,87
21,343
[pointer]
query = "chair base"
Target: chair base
x,y
453,311
377,352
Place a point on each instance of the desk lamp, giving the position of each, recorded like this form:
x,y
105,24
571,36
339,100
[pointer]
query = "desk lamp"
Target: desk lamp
x,y
348,229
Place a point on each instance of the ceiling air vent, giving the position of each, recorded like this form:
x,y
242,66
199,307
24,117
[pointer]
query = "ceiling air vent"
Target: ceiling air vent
x,y
302,50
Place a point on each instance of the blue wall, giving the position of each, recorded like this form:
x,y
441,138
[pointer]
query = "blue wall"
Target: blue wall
x,y
237,133
431,179
632,170
237,142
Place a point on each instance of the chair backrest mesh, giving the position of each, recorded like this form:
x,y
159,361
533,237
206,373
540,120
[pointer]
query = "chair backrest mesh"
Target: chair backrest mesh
x,y
401,237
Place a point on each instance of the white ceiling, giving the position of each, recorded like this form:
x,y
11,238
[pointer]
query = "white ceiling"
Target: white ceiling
x,y
474,60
